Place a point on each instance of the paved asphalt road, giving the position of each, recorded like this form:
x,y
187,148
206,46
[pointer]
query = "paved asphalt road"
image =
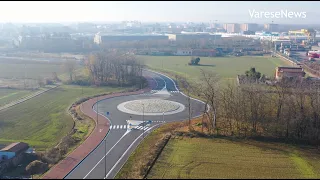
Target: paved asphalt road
x,y
119,142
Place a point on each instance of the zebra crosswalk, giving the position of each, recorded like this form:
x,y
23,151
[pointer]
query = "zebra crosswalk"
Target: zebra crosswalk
x,y
155,91
119,126
141,128
125,127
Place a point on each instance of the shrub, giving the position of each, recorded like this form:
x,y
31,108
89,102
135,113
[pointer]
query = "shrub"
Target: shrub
x,y
36,167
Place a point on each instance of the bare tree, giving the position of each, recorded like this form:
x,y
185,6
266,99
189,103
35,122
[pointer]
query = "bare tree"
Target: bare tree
x,y
207,89
70,67
114,65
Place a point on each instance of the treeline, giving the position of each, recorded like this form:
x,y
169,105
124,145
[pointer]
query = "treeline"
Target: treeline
x,y
289,109
114,67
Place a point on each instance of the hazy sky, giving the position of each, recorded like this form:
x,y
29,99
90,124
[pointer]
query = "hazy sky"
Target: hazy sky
x,y
161,11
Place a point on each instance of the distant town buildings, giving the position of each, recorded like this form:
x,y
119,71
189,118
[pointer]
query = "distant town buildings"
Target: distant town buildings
x,y
192,36
271,27
249,27
105,38
232,27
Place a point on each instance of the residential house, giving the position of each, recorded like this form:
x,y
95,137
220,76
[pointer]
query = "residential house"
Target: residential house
x,y
289,72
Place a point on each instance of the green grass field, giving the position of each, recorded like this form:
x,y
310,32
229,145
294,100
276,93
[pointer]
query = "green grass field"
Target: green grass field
x,y
9,95
42,121
30,70
220,158
225,67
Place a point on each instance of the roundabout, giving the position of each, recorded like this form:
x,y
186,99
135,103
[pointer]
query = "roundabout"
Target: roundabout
x,y
151,107
123,121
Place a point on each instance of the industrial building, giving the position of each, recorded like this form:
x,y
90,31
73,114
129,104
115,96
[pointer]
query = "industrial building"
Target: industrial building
x,y
204,52
105,38
193,36
196,52
13,150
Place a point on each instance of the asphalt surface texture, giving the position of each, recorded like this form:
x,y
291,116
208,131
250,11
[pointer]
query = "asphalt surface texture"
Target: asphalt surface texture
x,y
108,158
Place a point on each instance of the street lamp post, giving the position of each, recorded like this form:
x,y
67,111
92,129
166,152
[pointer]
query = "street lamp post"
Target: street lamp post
x,y
163,116
162,63
97,112
143,120
105,158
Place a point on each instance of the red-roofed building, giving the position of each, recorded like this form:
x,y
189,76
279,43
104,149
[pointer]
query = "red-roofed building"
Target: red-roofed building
x,y
290,72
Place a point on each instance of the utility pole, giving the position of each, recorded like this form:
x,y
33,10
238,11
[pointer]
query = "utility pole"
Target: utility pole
x,y
271,39
215,34
189,109
25,71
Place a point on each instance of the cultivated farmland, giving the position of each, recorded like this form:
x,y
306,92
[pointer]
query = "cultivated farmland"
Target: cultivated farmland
x,y
225,67
193,158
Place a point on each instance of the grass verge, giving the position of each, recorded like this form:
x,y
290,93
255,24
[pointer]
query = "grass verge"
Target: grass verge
x,y
42,121
195,155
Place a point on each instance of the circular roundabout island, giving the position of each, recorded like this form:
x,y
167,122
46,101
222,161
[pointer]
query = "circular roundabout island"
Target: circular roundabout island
x,y
151,107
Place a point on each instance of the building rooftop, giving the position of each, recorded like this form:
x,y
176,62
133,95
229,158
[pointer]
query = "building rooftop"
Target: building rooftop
x,y
133,34
290,69
15,147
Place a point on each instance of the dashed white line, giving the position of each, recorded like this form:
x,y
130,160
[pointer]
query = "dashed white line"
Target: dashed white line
x,y
105,155
126,152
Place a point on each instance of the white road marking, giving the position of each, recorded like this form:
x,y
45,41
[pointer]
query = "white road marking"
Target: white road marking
x,y
126,152
120,126
117,126
155,81
105,155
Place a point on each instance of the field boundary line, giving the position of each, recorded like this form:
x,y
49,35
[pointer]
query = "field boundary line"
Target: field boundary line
x,y
21,100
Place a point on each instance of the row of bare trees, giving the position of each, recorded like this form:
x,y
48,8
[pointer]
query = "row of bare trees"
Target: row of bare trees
x,y
113,66
289,109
